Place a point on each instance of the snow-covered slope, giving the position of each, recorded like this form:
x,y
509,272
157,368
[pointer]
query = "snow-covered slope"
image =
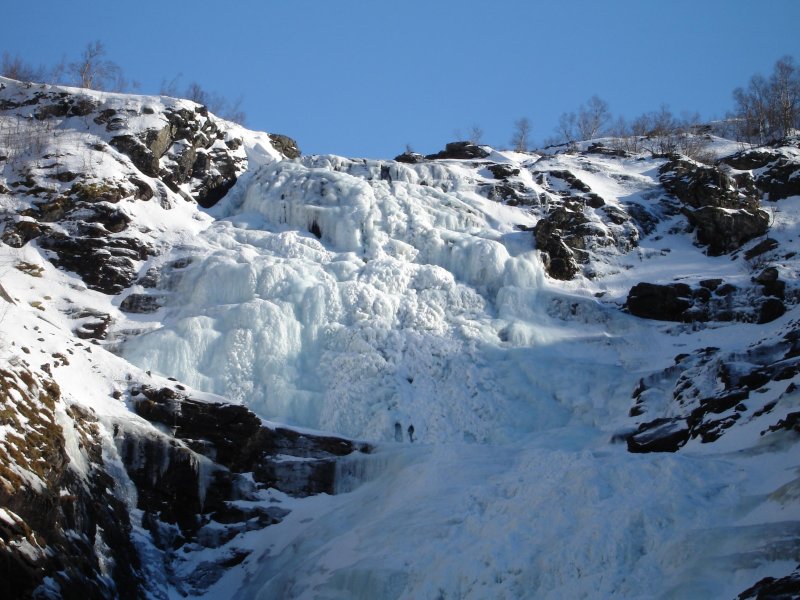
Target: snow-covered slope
x,y
575,434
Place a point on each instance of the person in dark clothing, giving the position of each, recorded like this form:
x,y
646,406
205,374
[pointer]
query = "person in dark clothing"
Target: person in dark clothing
x,y
398,432
411,433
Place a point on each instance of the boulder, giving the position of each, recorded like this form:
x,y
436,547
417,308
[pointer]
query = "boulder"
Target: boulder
x,y
285,145
661,302
141,303
409,157
559,236
503,171
460,151
725,230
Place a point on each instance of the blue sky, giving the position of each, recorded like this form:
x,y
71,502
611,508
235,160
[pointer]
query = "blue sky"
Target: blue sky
x,y
365,78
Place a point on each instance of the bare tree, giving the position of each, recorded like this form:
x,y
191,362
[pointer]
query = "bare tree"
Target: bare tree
x,y
520,138
475,134
170,88
592,117
567,127
219,105
769,109
15,67
93,70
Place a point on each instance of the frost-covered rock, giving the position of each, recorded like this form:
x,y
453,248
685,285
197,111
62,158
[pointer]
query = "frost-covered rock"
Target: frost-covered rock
x,y
723,208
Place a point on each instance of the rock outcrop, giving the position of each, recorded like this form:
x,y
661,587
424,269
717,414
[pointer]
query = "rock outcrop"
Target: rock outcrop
x,y
199,486
724,209
460,151
709,391
53,516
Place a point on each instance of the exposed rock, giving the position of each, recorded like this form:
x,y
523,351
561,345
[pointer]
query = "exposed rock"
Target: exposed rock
x,y
141,156
660,435
722,208
676,406
56,521
781,180
285,145
764,246
184,152
187,482
662,302
20,233
460,151
503,171
107,265
771,588
140,303
511,193
724,230
93,324
769,279
558,237
598,148
643,218
770,309
778,173
409,157
571,180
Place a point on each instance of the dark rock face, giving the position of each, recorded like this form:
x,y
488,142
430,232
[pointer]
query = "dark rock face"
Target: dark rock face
x,y
723,209
503,171
551,234
702,413
54,530
571,180
764,246
107,265
460,151
20,233
712,300
189,483
409,158
778,175
185,151
662,302
771,588
285,145
724,230
140,303
513,193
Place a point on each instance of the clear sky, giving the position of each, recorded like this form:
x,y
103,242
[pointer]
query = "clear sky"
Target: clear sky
x,y
365,78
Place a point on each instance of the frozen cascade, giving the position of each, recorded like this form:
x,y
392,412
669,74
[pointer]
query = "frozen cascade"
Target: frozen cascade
x,y
366,297
414,306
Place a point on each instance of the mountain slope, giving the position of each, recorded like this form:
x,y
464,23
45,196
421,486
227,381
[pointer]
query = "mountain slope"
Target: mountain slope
x,y
597,352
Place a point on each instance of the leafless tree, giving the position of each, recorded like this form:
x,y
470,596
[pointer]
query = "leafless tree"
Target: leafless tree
x,y
567,128
769,109
170,88
592,117
15,67
219,105
520,138
475,134
93,70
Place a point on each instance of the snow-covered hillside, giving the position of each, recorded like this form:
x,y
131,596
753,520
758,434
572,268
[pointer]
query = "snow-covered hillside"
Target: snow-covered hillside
x,y
596,354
